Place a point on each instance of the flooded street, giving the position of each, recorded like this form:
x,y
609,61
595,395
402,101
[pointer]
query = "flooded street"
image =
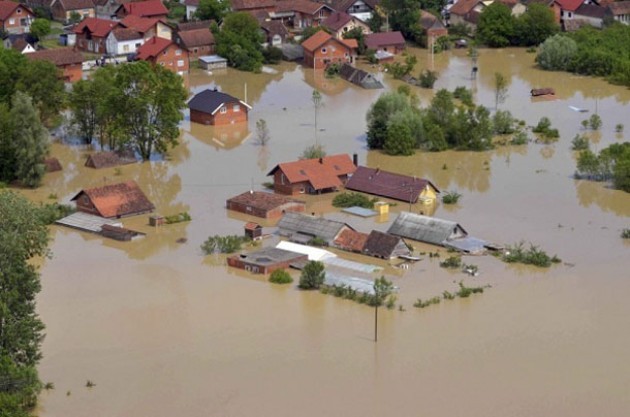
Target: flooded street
x,y
163,331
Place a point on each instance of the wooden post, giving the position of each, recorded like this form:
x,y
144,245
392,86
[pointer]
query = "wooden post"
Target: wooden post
x,y
376,324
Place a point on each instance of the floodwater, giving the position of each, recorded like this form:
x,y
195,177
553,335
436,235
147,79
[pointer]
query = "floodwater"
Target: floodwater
x,y
163,331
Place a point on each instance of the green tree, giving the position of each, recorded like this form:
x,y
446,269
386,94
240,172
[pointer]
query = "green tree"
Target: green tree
x,y
399,139
357,33
83,103
376,22
239,41
12,63
280,276
310,31
40,28
382,289
496,25
442,108
404,16
148,101
503,122
535,25
75,18
7,153
29,140
313,152
212,9
39,79
22,237
556,53
378,116
312,276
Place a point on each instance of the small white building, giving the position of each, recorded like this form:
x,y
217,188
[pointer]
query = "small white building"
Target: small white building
x,y
191,8
123,41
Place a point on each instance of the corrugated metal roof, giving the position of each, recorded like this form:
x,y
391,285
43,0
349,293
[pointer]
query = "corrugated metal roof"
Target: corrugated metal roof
x,y
86,222
293,223
425,229
359,211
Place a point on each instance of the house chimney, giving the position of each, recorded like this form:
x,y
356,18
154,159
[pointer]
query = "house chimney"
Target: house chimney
x,y
321,160
355,159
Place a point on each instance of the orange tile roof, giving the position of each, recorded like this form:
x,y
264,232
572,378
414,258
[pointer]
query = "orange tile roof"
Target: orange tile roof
x,y
351,240
315,41
140,24
117,200
320,173
97,27
152,47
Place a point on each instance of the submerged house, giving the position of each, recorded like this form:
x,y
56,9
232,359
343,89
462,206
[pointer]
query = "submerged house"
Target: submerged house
x,y
108,159
359,77
263,204
385,246
212,107
302,228
266,260
312,176
113,201
391,185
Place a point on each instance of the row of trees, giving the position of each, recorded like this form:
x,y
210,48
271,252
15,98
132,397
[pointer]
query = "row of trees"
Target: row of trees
x,y
497,27
398,125
135,106
589,51
23,235
610,164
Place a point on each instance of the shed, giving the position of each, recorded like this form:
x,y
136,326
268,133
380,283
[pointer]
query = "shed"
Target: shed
x,y
302,228
120,233
359,77
391,185
113,201
253,231
385,246
263,204
212,62
266,260
426,229
52,164
212,107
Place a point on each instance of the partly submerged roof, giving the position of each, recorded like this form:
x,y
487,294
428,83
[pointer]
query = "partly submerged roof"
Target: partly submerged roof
x,y
381,245
321,173
425,228
263,200
388,184
351,240
210,101
296,223
117,200
268,256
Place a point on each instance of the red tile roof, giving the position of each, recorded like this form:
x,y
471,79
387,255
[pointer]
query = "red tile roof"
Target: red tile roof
x,y
351,240
152,47
570,5
320,173
58,56
97,27
315,41
387,184
619,7
381,39
239,5
197,37
463,7
147,8
141,24
336,21
126,34
117,200
262,200
68,5
8,7
302,6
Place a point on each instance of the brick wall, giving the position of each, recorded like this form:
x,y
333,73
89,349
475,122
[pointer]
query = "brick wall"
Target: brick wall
x,y
220,119
330,52
171,58
72,73
16,22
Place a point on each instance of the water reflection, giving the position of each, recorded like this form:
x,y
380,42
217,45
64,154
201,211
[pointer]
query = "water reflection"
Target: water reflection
x,y
595,193
221,137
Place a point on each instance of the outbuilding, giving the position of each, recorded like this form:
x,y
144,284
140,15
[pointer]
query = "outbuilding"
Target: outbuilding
x,y
212,107
113,201
266,260
263,204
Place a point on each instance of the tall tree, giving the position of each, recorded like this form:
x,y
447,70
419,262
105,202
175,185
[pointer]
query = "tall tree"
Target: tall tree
x,y
378,116
239,41
39,79
22,237
12,63
212,9
496,25
557,53
535,25
40,28
30,141
312,276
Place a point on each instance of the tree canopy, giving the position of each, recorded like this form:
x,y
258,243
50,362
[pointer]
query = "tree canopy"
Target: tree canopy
x,y
212,9
496,25
239,41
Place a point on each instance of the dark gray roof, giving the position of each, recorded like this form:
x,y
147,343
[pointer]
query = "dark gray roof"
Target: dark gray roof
x,y
388,184
382,245
208,101
426,229
591,10
295,223
269,256
359,77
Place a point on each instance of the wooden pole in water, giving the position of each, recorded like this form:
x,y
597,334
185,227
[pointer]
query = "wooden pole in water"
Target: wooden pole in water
x,y
376,324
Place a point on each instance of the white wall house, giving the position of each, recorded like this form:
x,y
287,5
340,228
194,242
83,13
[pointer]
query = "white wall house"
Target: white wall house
x,y
191,8
121,44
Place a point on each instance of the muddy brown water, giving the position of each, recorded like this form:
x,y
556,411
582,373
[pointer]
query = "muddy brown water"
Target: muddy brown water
x,y
164,331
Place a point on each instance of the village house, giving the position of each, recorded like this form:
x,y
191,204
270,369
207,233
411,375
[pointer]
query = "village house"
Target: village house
x,y
123,41
92,33
565,10
351,241
312,176
339,23
18,42
322,49
159,51
148,8
252,6
15,17
392,42
466,12
426,229
275,32
361,9
191,8
62,10
302,228
263,204
113,201
359,77
432,26
619,11
301,14
198,42
69,62
148,27
590,14
391,185
212,107
266,260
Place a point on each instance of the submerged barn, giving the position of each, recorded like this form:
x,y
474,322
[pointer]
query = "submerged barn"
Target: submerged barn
x,y
426,229
302,228
265,205
113,201
391,185
266,260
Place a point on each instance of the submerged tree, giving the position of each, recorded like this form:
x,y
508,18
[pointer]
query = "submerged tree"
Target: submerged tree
x,y
312,276
556,53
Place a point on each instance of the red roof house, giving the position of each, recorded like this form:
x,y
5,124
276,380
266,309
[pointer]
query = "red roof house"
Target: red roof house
x,y
69,61
339,23
159,51
92,34
303,13
15,17
148,8
322,49
212,107
113,201
253,5
391,185
385,41
62,10
312,175
197,42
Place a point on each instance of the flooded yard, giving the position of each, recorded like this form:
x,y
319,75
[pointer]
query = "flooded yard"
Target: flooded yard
x,y
162,330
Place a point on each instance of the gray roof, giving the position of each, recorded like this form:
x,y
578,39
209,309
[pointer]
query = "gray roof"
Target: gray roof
x,y
295,223
269,256
426,229
209,101
87,222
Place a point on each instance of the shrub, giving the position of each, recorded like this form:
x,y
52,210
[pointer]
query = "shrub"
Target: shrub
x,y
503,122
452,262
428,78
313,152
595,122
520,138
423,304
317,241
580,143
448,296
332,70
50,213
391,302
464,95
625,233
465,292
178,218
312,276
272,55
280,276
544,129
223,244
531,256
619,128
451,197
353,199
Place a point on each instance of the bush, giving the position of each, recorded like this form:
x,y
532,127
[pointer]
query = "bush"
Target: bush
x,y
50,213
223,244
353,199
452,262
531,256
595,122
464,95
272,55
423,304
178,218
557,53
313,152
519,138
451,197
312,276
428,78
625,233
465,292
280,276
580,143
503,122
333,70
619,128
544,129
317,241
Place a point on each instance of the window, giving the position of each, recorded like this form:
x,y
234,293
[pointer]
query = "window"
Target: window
x,y
164,52
12,21
180,63
194,50
125,48
178,52
236,108
324,50
223,110
18,11
138,45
